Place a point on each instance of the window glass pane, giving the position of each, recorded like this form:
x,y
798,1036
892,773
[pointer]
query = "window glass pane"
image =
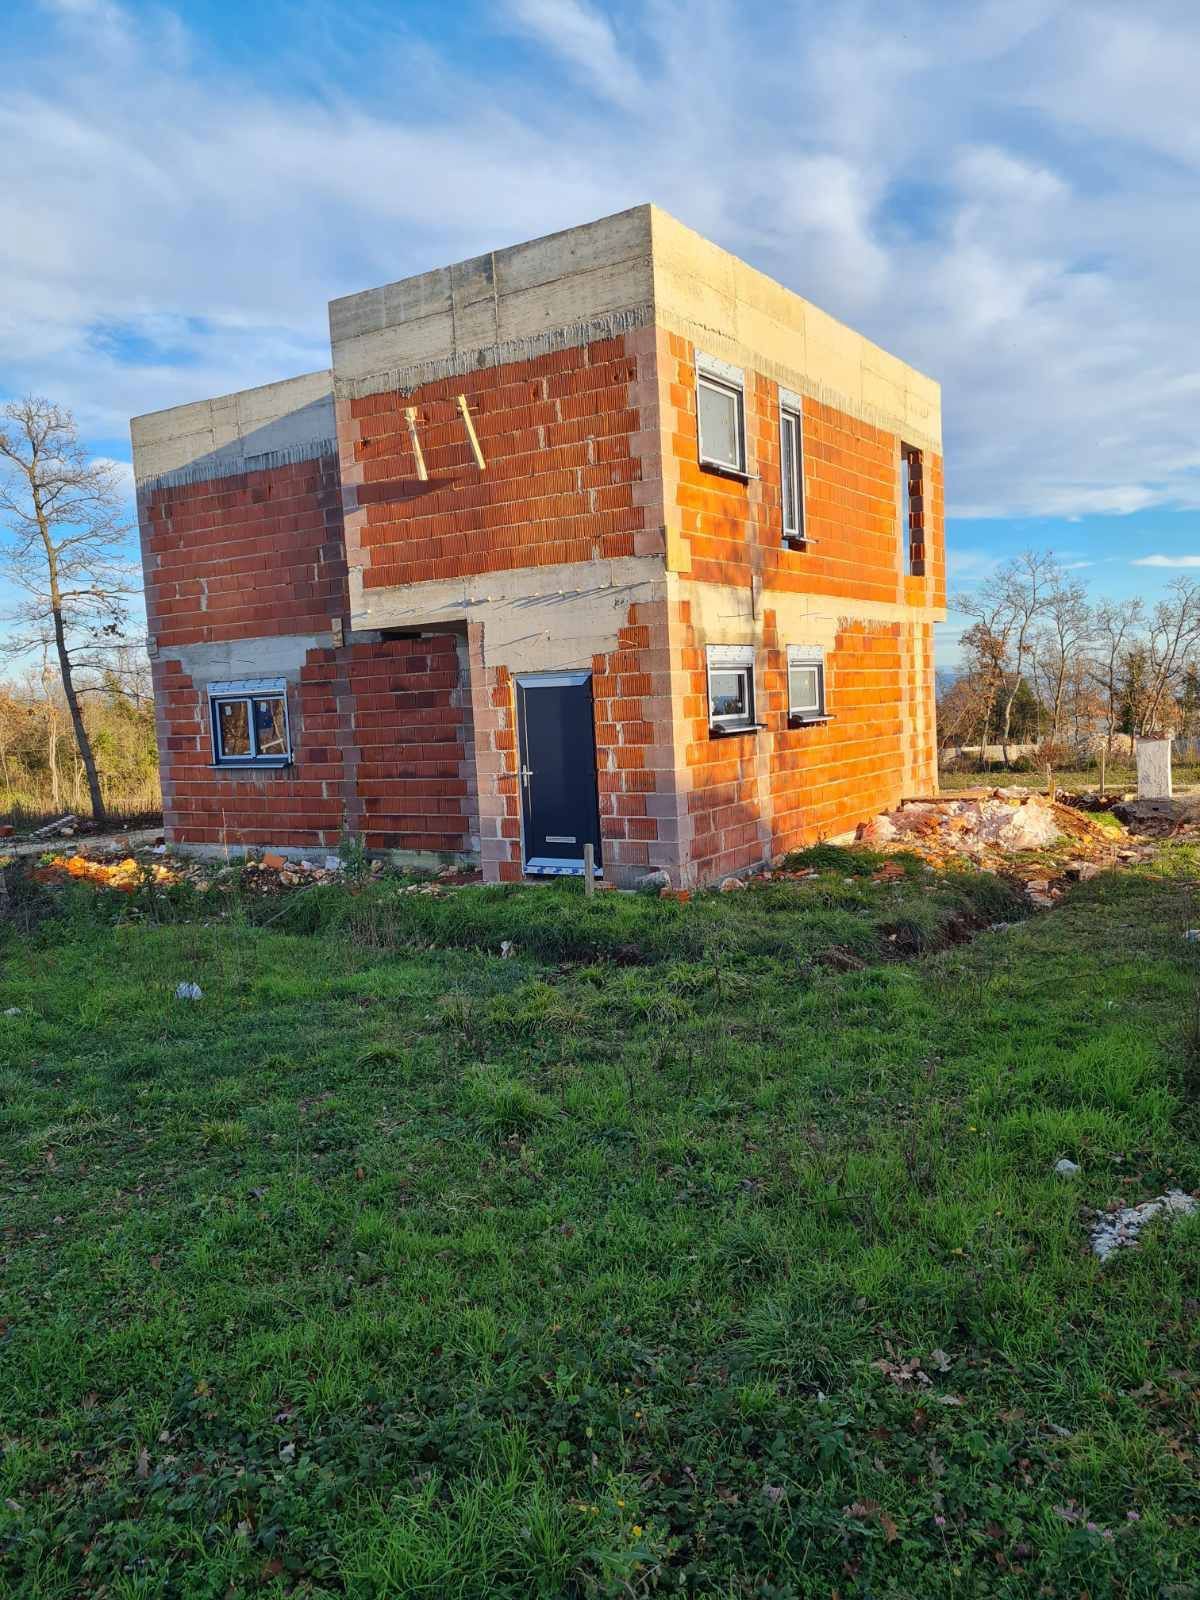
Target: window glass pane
x,y
728,694
804,689
720,432
788,473
270,729
233,720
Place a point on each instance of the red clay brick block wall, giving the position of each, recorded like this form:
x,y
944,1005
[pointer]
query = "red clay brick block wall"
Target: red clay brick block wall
x,y
301,806
381,736
761,794
252,555
852,478
406,725
724,806
635,775
558,434
757,795
824,775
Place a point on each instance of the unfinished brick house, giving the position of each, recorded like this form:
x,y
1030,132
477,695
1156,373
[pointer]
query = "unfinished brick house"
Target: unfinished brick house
x,y
606,538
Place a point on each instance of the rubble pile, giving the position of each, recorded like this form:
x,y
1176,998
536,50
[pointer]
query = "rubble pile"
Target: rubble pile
x,y
1161,819
1022,834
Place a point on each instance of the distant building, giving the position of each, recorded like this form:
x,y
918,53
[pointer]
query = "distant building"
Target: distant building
x,y
683,610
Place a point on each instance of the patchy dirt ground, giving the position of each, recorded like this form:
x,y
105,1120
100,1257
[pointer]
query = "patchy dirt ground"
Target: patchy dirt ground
x,y
1022,834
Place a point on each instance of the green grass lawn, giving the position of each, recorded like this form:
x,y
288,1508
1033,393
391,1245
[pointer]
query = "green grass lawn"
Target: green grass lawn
x,y
658,1257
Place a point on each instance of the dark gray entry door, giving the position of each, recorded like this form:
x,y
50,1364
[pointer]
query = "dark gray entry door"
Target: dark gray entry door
x,y
559,799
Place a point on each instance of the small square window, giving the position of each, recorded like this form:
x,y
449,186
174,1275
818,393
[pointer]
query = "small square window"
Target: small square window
x,y
790,476
730,688
720,407
250,723
806,686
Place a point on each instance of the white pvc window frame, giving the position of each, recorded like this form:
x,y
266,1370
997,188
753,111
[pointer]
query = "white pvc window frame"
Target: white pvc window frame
x,y
791,467
719,377
810,706
734,663
245,691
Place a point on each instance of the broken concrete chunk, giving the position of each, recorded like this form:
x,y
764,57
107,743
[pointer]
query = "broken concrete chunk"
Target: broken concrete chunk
x,y
879,830
1065,1168
1112,1230
652,882
1081,871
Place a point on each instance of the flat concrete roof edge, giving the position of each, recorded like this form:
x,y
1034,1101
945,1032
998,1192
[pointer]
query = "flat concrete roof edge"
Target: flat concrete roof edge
x,y
609,325
232,395
451,267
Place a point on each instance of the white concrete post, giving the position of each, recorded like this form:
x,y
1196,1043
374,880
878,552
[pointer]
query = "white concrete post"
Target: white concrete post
x,y
1153,768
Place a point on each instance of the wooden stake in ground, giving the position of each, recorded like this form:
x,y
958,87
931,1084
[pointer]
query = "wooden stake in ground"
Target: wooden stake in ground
x,y
589,869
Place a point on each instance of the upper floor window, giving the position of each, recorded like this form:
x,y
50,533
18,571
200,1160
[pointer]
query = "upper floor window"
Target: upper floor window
x,y
791,468
721,413
912,509
250,723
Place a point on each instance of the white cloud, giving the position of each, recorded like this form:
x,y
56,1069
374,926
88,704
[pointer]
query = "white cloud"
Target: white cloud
x,y
987,197
1166,561
585,40
122,473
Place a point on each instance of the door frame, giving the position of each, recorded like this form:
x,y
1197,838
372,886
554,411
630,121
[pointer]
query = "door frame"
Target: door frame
x,y
554,680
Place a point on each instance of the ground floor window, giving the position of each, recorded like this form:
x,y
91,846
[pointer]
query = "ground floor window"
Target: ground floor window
x,y
731,688
250,723
806,685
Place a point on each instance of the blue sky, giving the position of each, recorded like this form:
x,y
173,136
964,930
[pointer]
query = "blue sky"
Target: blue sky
x,y
1002,193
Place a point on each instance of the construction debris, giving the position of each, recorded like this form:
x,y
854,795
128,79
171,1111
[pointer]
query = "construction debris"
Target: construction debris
x,y
60,825
1112,1230
188,991
995,830
1161,818
125,875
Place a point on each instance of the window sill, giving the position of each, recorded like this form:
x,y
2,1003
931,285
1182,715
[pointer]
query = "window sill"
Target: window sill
x,y
797,542
722,470
255,764
717,730
795,720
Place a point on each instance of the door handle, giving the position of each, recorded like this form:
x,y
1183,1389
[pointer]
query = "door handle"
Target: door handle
x,y
526,774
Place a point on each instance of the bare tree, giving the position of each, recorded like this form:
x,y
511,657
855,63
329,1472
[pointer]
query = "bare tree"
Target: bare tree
x,y
962,709
1057,645
61,515
1174,631
1116,626
1008,606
